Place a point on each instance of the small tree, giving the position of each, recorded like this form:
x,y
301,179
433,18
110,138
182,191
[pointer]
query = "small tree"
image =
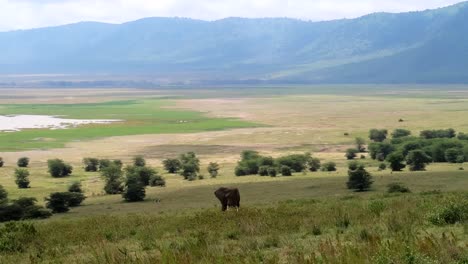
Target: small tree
x,y
91,164
329,166
22,178
1,162
3,195
360,144
452,155
144,174
157,180
263,170
286,171
272,172
417,160
104,163
378,135
358,178
399,133
23,162
314,164
382,166
58,168
172,165
190,166
134,189
58,202
75,199
113,177
351,153
139,161
213,169
395,161
75,188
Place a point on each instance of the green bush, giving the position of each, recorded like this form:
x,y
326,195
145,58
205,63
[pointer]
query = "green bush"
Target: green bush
x,y
396,161
272,172
22,178
329,166
139,161
382,166
172,165
351,153
91,164
263,170
23,162
157,180
213,169
58,168
397,188
75,199
286,171
3,195
60,202
190,165
113,179
378,135
453,212
144,174
21,209
358,178
417,160
314,164
399,133
296,162
134,189
454,155
75,187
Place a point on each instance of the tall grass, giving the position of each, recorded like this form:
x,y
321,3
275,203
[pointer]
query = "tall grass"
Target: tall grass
x,y
302,231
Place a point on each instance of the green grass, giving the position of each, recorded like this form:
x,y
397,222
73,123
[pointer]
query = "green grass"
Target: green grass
x,y
140,117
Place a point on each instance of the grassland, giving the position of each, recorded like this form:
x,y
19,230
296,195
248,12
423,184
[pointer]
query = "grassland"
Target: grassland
x,y
280,217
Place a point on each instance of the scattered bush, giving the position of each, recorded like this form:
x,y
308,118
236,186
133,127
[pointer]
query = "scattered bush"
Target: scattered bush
x,y
272,172
139,161
58,168
21,209
316,230
263,170
396,161
382,166
213,169
172,165
134,189
453,212
358,178
190,166
286,171
104,163
91,164
399,133
23,162
201,177
314,164
157,181
351,153
296,162
144,174
454,155
75,187
329,166
378,135
417,160
441,133
360,144
113,178
22,178
58,202
397,188
3,195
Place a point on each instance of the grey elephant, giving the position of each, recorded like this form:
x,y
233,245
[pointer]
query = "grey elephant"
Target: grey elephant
x,y
229,197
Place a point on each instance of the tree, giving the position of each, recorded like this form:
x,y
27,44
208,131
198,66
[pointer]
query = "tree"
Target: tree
x,y
157,180
134,189
144,174
314,164
58,168
172,165
58,202
360,144
286,171
329,166
3,195
296,162
1,162
399,133
417,160
75,198
263,170
190,165
396,161
272,172
441,133
351,153
139,161
453,155
113,178
358,178
380,151
23,162
91,164
104,163
22,178
378,135
382,166
75,187
213,169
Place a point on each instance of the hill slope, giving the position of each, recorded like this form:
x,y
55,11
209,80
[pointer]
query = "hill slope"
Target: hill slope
x,y
428,46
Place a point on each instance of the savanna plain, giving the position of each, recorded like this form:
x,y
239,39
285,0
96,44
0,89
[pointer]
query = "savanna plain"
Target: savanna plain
x,y
309,217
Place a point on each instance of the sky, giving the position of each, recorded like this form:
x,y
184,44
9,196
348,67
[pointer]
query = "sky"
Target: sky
x,y
25,14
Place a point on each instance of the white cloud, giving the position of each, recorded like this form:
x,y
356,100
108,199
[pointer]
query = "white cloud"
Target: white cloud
x,y
20,14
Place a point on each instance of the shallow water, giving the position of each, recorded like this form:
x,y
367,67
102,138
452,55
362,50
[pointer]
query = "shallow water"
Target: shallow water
x,y
20,122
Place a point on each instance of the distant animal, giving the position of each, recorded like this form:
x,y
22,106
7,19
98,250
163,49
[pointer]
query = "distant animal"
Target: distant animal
x,y
229,197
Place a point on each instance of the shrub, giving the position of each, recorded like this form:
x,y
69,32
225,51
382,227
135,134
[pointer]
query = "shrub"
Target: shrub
x,y
117,163
91,164
157,180
113,178
380,151
172,165
58,202
134,189
241,171
139,161
58,168
75,199
272,172
296,162
23,162
453,212
441,133
1,162
382,166
351,153
263,171
316,230
314,164
378,135
104,163
397,188
358,178
417,160
15,237
75,187
454,155
286,171
144,174
3,195
190,165
363,156
266,161
360,144
249,163
22,178
213,169
201,177
399,133
329,166
396,161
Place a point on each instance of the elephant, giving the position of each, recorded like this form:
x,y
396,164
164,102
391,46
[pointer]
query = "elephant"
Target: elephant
x,y
229,197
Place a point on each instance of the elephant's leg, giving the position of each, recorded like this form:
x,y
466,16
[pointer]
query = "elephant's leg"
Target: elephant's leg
x,y
224,206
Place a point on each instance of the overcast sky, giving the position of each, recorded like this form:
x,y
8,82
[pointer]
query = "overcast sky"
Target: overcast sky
x,y
22,14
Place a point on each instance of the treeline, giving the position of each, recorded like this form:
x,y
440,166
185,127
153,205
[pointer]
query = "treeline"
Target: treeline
x,y
403,149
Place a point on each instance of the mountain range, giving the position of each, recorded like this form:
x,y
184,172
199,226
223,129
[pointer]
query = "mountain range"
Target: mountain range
x,y
417,47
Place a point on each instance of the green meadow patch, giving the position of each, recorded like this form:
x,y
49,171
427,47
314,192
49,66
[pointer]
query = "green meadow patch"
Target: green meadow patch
x,y
139,117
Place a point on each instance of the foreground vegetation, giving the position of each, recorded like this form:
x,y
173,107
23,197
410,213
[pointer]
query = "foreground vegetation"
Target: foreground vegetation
x,y
393,228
